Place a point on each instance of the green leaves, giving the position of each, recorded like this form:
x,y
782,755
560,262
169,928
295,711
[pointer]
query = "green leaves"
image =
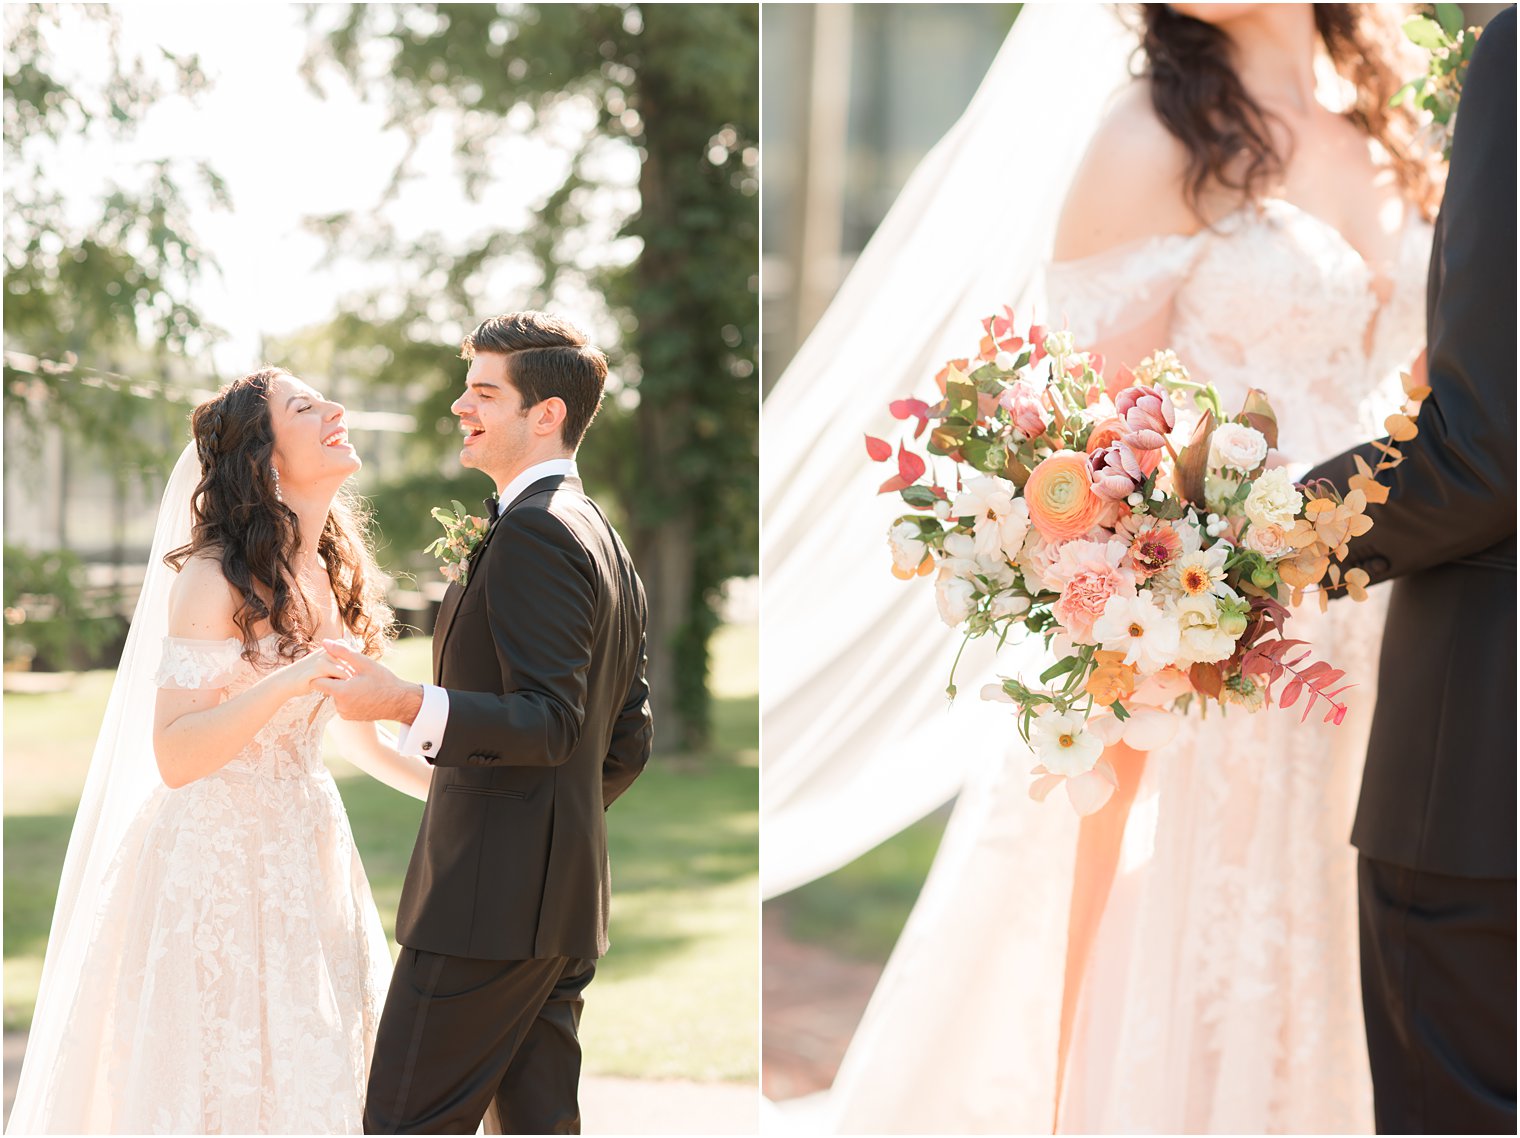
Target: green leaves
x,y
1424,32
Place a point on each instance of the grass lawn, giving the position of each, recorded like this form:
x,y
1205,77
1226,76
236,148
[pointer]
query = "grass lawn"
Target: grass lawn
x,y
859,910
677,997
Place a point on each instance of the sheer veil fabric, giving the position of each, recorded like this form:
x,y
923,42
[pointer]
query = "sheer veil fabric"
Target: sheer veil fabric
x,y
859,739
859,742
122,774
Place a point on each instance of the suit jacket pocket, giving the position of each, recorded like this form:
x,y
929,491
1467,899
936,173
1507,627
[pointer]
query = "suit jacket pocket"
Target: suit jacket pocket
x,y
490,791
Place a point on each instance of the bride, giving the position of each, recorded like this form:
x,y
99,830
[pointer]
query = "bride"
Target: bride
x,y
216,963
1185,960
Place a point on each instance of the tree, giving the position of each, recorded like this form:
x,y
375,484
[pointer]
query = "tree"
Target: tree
x,y
675,87
95,277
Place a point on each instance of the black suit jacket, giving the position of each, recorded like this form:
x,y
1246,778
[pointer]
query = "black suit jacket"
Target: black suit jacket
x,y
542,653
1438,794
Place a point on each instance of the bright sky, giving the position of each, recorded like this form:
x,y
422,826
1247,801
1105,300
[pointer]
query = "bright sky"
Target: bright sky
x,y
287,154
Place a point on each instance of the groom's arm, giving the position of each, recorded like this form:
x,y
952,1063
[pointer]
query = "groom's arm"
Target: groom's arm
x,y
632,736
1454,494
540,607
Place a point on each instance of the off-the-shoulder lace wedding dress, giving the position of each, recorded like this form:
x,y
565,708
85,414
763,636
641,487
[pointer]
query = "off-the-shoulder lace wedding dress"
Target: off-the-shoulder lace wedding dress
x,y
238,948
1222,990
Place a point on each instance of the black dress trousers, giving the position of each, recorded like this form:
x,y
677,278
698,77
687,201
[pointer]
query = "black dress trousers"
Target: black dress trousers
x,y
465,1040
1438,990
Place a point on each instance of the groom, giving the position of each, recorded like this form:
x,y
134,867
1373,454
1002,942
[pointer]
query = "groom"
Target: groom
x,y
1435,827
539,720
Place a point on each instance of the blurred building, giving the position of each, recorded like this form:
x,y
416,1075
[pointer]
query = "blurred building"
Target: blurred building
x,y
853,96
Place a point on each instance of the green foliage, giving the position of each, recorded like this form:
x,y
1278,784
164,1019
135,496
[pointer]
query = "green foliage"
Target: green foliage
x,y
1438,92
674,88
93,273
47,611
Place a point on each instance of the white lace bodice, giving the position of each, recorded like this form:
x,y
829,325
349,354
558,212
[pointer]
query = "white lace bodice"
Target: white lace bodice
x,y
1271,297
290,744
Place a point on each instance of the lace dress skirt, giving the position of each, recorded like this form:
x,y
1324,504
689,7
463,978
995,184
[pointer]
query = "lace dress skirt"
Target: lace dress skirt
x,y
238,957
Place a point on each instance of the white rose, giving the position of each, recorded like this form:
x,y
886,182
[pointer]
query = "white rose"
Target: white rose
x,y
960,556
956,598
1202,640
1009,604
1269,540
1238,447
1273,501
908,549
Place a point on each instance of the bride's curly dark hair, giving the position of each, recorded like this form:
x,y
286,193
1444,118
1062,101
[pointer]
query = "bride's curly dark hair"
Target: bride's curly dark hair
x,y
239,519
1200,99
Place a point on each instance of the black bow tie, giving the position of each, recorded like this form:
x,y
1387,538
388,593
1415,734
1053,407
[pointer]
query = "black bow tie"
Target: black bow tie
x,y
493,507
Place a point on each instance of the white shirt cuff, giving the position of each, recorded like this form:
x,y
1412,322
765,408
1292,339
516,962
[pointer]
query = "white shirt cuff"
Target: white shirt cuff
x,y
425,735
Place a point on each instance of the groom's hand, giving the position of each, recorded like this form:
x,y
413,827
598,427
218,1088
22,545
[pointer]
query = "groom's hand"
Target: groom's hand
x,y
372,691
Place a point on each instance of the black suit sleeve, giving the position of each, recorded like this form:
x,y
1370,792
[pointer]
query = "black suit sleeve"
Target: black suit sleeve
x,y
632,736
1454,495
540,605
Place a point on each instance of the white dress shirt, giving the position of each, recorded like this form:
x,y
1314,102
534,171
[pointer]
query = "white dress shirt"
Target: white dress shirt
x,y
425,735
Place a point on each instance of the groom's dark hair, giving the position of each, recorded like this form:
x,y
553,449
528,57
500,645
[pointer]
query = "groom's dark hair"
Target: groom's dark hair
x,y
546,356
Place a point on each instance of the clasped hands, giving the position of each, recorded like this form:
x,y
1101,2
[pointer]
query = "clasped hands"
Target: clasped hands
x,y
369,690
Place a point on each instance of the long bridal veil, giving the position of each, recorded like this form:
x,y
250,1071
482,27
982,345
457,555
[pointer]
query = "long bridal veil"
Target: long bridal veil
x,y
858,739
122,774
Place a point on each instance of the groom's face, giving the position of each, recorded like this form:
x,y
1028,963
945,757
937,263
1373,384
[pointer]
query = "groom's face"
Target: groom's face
x,y
497,437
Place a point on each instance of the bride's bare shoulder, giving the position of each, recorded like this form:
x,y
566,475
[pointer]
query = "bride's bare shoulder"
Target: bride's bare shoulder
x,y
201,601
1129,185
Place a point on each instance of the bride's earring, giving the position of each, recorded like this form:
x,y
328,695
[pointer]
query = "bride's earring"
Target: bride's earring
x,y
275,474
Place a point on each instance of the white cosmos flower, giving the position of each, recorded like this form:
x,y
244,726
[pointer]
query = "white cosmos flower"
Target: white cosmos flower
x,y
956,598
1002,519
1196,573
1064,745
908,549
1140,628
1202,641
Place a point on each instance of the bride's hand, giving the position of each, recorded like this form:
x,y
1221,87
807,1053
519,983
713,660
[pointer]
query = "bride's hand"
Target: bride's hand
x,y
317,664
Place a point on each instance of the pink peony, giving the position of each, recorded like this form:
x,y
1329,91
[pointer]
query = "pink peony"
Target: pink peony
x,y
1088,573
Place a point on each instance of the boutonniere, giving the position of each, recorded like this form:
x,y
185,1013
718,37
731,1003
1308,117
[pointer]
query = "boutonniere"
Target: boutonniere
x,y
1438,92
462,532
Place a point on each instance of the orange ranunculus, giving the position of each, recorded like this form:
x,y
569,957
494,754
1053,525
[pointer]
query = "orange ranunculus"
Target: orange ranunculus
x,y
1106,434
1061,501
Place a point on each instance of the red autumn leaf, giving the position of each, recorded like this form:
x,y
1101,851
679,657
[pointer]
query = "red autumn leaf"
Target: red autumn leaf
x,y
879,449
1037,338
894,484
908,409
1291,692
910,466
1097,361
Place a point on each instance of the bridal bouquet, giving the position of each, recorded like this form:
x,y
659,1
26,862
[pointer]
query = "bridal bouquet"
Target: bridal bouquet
x,y
1141,533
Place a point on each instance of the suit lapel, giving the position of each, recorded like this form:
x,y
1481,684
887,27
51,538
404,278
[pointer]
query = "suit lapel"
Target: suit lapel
x,y
455,595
